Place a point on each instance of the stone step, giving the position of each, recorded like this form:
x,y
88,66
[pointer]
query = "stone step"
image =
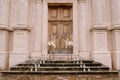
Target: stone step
x,y
60,64
70,64
75,61
59,68
59,72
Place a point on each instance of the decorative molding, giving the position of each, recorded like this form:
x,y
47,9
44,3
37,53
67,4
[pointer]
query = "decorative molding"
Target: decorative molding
x,y
6,28
115,27
99,25
22,25
22,28
38,1
99,28
81,1
3,25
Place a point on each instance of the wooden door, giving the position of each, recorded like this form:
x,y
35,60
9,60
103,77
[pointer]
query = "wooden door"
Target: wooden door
x,y
60,29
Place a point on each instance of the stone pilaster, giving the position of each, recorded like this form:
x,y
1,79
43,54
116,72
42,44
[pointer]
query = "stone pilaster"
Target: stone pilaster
x,y
115,11
83,52
75,29
22,12
4,41
20,51
4,33
45,28
100,48
4,12
37,31
99,9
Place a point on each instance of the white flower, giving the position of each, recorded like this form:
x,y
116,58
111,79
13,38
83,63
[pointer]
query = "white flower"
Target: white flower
x,y
52,43
68,43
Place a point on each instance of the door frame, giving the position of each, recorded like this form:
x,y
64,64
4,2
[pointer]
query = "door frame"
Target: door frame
x,y
45,25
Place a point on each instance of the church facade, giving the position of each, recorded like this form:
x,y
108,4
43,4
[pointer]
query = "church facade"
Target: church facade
x,y
60,30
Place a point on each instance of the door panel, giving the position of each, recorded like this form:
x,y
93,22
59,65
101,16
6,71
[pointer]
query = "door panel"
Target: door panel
x,y
66,13
60,29
66,34
53,13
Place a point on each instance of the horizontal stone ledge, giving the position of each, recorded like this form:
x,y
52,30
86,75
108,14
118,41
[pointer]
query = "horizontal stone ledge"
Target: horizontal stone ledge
x,y
98,28
114,28
21,28
4,25
6,28
105,28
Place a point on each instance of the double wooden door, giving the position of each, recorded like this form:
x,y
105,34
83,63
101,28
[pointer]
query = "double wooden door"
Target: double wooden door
x,y
60,29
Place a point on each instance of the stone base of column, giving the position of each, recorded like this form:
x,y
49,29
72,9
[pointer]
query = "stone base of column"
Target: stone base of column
x,y
3,60
4,42
116,60
116,47
84,55
104,58
16,58
36,55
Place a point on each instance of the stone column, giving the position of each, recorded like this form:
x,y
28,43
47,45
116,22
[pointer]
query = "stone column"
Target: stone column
x,y
98,13
45,29
22,12
115,11
75,30
4,41
99,32
4,13
83,30
21,32
4,33
37,31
